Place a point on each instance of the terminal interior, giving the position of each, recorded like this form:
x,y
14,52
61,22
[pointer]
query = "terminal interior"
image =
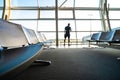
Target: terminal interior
x,y
32,45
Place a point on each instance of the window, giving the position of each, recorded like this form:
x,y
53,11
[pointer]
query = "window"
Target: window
x,y
1,7
24,3
84,20
23,14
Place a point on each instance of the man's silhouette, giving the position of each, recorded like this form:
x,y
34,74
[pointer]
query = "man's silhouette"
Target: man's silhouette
x,y
67,34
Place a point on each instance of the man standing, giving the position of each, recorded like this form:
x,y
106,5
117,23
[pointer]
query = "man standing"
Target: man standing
x,y
67,34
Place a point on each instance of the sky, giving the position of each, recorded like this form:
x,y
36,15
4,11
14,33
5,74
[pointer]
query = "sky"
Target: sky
x,y
1,2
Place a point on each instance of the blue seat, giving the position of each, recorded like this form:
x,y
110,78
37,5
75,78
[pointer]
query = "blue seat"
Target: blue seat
x,y
13,61
94,38
106,36
116,37
110,37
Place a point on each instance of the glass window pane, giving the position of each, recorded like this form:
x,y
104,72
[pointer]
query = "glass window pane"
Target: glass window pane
x,y
114,3
23,14
0,13
1,3
65,14
115,23
114,14
46,3
24,3
89,25
61,35
49,35
68,3
80,35
47,25
47,14
87,14
31,24
87,3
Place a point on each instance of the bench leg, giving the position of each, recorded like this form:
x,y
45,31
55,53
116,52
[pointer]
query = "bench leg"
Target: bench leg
x,y
89,44
43,62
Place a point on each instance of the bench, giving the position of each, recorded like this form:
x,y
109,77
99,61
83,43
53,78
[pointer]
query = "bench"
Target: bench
x,y
116,37
109,37
94,38
19,48
14,61
47,43
106,36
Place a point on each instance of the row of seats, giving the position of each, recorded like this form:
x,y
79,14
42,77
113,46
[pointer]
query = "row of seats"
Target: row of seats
x,y
15,35
112,36
19,47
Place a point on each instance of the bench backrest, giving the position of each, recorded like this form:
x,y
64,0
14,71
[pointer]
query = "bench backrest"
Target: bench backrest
x,y
31,35
39,36
107,36
11,35
116,36
95,36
